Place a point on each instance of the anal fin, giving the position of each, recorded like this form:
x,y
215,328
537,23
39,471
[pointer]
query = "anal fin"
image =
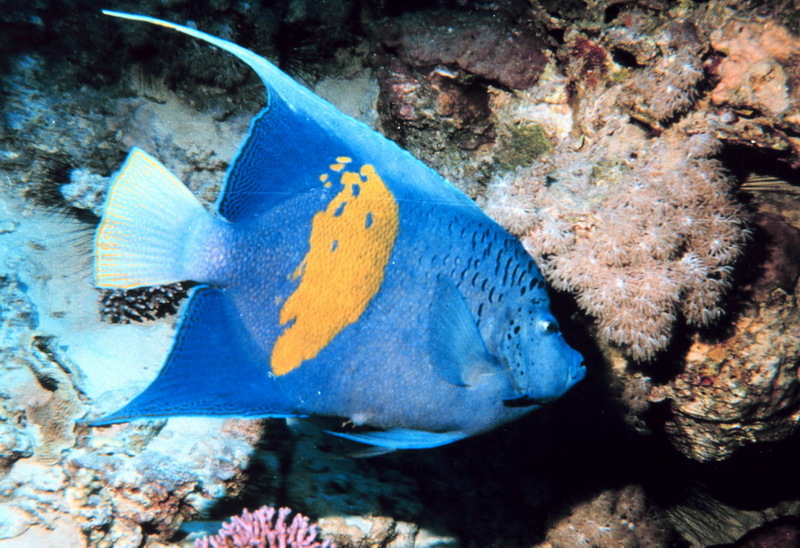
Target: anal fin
x,y
213,368
402,438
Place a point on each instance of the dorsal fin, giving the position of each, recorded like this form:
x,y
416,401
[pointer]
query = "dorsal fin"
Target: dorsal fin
x,y
274,79
294,140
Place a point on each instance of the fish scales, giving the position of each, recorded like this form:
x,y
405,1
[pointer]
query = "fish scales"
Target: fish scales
x,y
339,277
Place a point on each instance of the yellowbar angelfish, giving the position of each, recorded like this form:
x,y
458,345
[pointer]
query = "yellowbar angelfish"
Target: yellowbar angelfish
x,y
339,277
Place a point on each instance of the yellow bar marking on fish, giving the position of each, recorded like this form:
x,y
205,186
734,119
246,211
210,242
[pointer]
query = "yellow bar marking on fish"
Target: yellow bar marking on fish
x,y
323,178
336,167
338,282
344,159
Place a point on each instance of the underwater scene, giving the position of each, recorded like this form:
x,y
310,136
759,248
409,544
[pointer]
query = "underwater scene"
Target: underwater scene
x,y
402,274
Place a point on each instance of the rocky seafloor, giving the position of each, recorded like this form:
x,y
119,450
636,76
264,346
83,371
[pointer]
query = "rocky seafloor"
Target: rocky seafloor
x,y
645,152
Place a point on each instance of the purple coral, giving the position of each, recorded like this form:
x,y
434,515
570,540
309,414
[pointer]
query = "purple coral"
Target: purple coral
x,y
266,528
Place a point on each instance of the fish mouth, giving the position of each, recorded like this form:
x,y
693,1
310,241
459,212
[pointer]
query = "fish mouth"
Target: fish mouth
x,y
578,374
526,400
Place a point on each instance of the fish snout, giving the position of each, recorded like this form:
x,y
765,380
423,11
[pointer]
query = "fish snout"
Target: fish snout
x,y
552,382
564,376
577,373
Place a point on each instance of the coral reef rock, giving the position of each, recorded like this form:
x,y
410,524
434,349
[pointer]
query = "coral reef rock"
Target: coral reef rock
x,y
369,531
484,44
63,483
758,67
744,388
613,518
780,533
757,79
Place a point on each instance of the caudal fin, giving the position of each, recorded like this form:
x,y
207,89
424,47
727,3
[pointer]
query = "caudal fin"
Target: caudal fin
x,y
145,228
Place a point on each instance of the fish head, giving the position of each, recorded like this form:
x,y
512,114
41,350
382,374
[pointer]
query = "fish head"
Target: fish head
x,y
542,365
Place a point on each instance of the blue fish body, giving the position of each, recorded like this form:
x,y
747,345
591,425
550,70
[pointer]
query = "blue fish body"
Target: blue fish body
x,y
340,277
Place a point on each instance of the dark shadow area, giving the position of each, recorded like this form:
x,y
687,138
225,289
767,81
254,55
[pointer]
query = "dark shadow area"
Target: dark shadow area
x,y
742,160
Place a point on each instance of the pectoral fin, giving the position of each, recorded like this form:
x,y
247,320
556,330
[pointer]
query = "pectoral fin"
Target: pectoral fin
x,y
458,351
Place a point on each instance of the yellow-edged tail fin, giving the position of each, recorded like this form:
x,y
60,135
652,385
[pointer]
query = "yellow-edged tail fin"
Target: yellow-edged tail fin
x,y
148,221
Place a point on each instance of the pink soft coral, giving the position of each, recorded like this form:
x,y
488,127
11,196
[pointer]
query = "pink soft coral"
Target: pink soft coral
x,y
642,232
264,529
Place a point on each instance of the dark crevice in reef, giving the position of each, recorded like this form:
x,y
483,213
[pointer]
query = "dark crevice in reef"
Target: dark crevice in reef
x,y
743,160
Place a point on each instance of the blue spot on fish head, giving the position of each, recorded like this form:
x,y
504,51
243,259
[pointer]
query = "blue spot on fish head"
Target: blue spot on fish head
x,y
541,362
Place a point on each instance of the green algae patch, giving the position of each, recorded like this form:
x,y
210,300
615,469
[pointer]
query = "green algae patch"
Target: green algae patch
x,y
523,144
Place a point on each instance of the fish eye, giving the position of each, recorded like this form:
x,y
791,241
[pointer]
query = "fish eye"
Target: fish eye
x,y
548,326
